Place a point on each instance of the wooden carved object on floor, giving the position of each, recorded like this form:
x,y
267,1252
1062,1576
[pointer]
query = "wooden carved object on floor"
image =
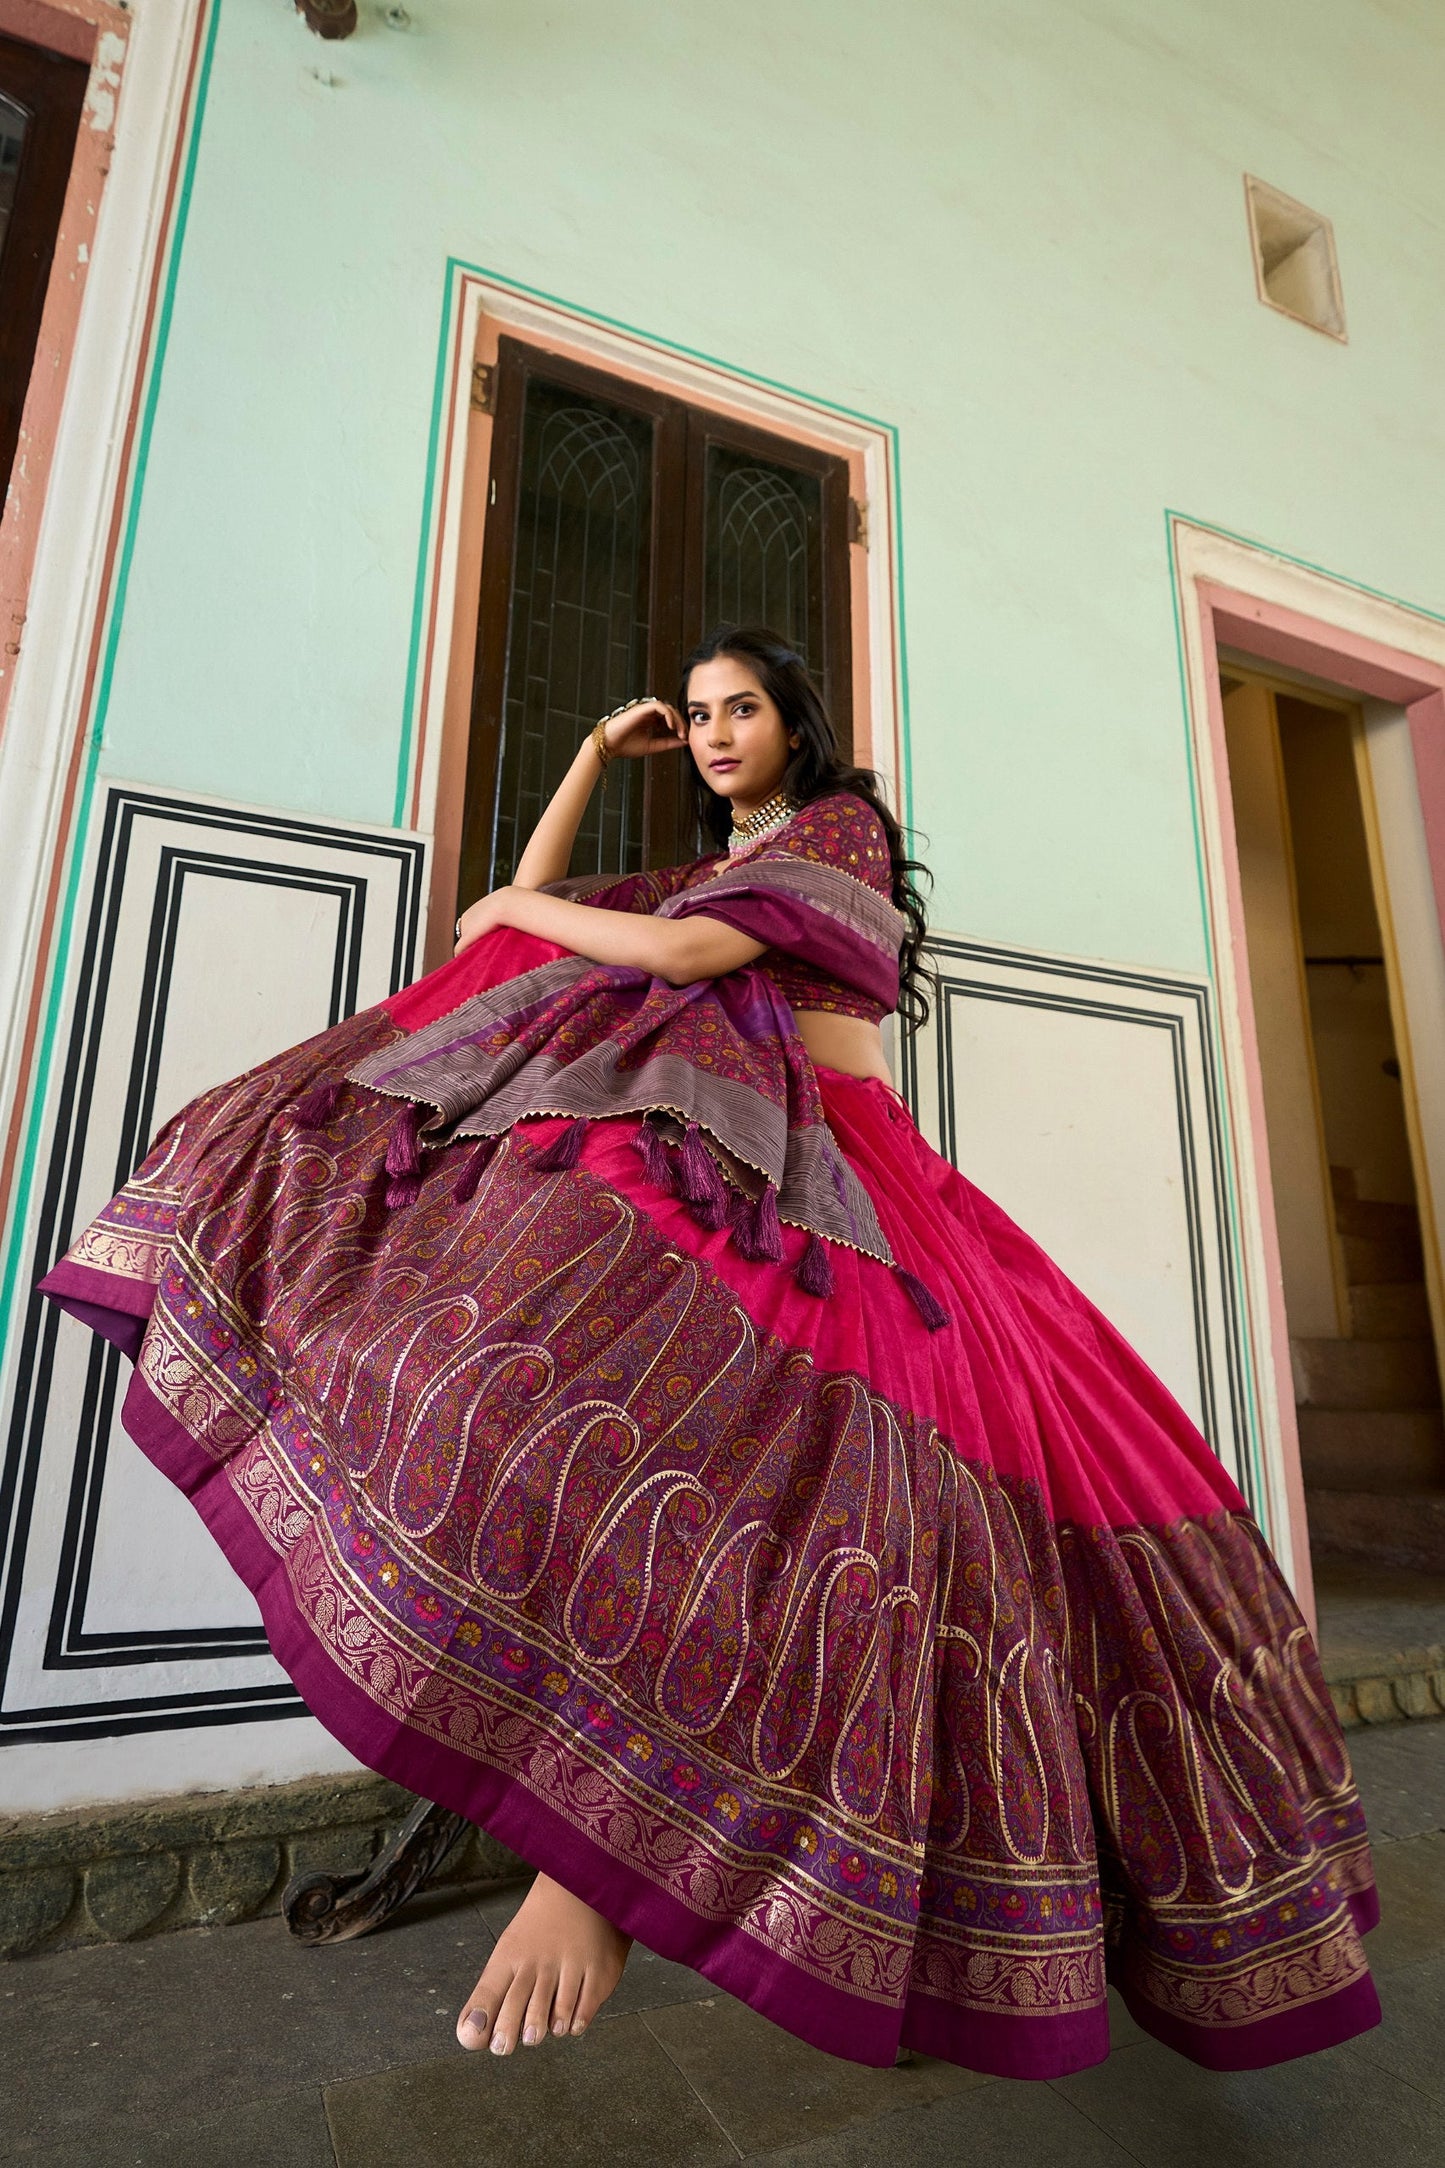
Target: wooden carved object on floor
x,y
339,1907
329,18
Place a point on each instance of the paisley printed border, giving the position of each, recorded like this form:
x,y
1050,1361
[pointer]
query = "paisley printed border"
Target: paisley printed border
x,y
1137,1707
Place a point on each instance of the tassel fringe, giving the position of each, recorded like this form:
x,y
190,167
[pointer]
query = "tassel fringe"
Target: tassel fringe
x,y
315,1110
757,1230
925,1302
656,1160
403,1150
403,1159
814,1272
563,1152
469,1180
703,1188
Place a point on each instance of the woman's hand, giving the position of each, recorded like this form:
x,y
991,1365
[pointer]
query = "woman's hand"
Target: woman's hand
x,y
648,726
483,916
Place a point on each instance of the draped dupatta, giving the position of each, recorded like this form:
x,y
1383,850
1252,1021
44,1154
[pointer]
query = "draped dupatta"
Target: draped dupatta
x,y
732,1115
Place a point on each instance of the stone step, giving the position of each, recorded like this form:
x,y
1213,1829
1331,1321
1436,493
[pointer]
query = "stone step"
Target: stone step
x,y
1372,1449
1365,1373
1391,1310
1381,1639
1400,1528
1411,1692
1375,1217
1370,1259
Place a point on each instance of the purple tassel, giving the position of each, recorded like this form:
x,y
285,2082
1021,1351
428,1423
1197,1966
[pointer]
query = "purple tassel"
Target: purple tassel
x,y
925,1302
563,1152
757,1230
469,1180
403,1158
320,1103
703,1188
711,1214
656,1163
814,1272
403,1150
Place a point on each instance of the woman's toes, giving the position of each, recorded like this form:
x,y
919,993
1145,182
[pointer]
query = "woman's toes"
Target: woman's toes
x,y
478,2020
507,2025
537,2022
594,1992
477,2025
473,2026
564,2001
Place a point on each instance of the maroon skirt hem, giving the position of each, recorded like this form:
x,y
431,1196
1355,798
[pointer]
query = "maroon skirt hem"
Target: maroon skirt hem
x,y
1045,2046
899,1681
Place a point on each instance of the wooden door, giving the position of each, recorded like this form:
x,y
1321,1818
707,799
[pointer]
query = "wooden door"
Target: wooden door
x,y
622,524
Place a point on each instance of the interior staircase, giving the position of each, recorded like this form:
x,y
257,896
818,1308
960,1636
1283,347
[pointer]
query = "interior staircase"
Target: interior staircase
x,y
1371,1426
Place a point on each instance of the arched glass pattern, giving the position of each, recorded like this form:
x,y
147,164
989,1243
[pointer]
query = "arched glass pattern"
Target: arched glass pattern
x,y
763,548
578,635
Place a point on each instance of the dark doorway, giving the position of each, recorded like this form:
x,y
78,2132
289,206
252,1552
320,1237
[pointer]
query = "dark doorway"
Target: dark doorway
x,y
621,525
41,95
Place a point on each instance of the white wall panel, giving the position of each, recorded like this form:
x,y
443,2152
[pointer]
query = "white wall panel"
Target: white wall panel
x,y
215,936
1082,1098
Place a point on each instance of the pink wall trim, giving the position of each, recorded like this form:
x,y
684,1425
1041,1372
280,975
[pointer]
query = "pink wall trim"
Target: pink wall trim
x,y
66,26
75,28
93,634
1367,668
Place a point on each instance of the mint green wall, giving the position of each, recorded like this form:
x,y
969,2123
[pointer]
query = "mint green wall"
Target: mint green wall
x,y
1015,229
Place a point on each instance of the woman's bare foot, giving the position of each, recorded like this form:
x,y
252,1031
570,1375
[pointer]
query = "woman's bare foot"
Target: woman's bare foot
x,y
552,1970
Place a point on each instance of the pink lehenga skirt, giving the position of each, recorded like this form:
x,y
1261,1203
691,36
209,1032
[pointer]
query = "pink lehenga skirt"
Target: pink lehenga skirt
x,y
909,1684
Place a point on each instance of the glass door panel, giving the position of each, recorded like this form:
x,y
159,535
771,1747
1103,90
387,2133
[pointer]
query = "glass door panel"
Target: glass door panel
x,y
764,549
577,639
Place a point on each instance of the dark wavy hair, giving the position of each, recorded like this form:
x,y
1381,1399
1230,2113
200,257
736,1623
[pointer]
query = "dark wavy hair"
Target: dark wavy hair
x,y
816,770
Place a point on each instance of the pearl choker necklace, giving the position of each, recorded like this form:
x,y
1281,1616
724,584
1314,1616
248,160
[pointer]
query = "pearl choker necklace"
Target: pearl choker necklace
x,y
771,814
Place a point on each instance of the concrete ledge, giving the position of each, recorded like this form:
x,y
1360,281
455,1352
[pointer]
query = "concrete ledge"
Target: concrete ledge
x,y
111,1874
1410,1687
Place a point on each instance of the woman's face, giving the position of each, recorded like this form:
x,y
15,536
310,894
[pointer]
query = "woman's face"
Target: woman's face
x,y
736,734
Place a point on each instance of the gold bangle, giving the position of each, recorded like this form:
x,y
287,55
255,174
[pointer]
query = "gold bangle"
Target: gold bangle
x,y
599,730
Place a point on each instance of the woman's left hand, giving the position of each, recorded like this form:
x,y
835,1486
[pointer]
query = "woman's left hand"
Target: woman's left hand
x,y
485,916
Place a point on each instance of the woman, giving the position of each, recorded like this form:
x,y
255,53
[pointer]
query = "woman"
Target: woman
x,y
640,1441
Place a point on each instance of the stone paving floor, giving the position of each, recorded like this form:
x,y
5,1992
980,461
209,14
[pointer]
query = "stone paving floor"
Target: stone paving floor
x,y
1374,1617
235,2048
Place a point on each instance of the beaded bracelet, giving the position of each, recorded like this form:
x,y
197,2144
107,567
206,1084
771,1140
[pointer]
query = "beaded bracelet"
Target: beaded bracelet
x,y
599,730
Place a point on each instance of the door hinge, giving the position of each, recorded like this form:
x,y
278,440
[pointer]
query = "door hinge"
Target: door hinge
x,y
484,380
858,521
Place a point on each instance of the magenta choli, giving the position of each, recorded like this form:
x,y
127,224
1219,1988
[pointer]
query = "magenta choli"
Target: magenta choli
x,y
643,1443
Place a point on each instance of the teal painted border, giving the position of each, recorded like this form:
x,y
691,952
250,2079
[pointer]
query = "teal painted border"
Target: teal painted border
x,y
65,930
1359,587
458,266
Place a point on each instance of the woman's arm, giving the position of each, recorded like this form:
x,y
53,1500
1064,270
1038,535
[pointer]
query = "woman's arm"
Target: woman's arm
x,y
679,950
648,726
